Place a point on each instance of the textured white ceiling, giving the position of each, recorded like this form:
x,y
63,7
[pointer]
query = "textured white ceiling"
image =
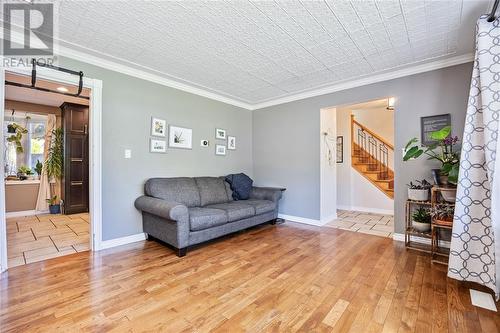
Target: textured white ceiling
x,y
255,51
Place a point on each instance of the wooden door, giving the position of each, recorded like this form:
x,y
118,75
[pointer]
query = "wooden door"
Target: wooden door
x,y
76,158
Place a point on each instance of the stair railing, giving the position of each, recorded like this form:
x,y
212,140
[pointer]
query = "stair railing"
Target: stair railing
x,y
371,148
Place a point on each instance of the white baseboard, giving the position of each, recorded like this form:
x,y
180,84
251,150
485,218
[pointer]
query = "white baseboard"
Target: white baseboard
x,y
327,219
303,220
25,213
367,209
122,240
421,240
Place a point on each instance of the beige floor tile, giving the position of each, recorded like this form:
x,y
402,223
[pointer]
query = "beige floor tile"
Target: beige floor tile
x,y
80,227
50,256
375,232
63,241
36,225
17,247
383,228
342,223
15,261
22,236
51,232
362,226
82,247
40,252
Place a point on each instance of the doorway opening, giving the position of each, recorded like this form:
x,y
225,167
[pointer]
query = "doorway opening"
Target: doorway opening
x,y
50,201
357,167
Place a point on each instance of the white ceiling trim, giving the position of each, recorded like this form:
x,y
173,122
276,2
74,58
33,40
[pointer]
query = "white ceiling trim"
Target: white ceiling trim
x,y
394,74
398,73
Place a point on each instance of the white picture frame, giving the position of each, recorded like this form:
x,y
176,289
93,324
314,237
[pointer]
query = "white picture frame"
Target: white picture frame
x,y
158,146
220,150
158,127
180,137
220,134
231,142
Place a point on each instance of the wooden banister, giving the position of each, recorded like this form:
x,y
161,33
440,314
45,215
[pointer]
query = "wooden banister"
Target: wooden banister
x,y
373,134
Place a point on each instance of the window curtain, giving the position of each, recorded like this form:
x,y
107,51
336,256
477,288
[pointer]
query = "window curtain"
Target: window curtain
x,y
44,192
475,242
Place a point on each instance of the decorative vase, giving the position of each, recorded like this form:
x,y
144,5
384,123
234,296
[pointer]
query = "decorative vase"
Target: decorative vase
x,y
54,209
418,194
449,195
421,226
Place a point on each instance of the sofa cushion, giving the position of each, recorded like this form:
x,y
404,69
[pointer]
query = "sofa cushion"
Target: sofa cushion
x,y
203,218
229,192
235,210
179,189
261,206
212,190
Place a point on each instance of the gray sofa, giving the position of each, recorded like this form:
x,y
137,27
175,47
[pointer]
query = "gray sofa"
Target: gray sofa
x,y
186,211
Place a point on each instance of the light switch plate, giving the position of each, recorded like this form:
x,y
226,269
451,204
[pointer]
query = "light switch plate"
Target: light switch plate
x,y
128,153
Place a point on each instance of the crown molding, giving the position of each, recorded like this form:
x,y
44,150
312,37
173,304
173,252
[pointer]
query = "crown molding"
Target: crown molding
x,y
145,75
390,75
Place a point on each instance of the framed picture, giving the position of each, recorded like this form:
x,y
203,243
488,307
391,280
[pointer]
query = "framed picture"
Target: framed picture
x,y
220,150
158,146
431,124
180,137
231,142
158,127
340,149
220,133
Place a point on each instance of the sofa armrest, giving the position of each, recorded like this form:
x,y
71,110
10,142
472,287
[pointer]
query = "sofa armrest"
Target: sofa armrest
x,y
167,209
266,193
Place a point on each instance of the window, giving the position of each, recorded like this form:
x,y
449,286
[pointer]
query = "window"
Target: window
x,y
33,142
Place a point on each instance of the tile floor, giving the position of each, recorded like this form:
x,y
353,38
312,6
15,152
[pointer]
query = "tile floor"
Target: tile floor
x,y
40,237
368,223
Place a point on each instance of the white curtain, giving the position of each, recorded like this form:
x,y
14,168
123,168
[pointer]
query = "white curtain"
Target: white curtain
x,y
475,243
44,189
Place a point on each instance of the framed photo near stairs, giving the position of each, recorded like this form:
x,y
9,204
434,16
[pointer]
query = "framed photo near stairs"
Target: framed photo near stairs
x,y
340,149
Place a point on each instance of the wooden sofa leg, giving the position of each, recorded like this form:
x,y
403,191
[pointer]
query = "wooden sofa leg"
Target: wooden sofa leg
x,y
182,252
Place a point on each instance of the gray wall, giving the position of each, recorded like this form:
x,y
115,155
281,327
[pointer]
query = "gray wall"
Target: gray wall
x,y
128,104
286,145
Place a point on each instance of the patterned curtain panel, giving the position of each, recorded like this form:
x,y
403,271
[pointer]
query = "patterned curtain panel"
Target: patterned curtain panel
x,y
475,252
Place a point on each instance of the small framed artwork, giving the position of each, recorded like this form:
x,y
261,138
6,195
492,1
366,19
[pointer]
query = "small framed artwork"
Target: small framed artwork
x,y
158,146
220,133
431,124
180,137
340,149
231,142
220,150
158,127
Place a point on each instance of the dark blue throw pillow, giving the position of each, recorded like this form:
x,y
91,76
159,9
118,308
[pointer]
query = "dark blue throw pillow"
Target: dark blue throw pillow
x,y
241,185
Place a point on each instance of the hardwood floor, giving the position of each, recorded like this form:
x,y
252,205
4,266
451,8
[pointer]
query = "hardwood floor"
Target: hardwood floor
x,y
284,278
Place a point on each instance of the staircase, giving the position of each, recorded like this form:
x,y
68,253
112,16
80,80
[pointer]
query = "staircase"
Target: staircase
x,y
370,156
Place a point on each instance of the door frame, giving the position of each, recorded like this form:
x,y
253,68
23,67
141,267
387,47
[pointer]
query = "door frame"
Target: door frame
x,y
95,153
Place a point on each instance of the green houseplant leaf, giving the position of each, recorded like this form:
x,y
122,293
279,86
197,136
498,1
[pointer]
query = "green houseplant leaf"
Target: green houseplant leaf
x,y
55,160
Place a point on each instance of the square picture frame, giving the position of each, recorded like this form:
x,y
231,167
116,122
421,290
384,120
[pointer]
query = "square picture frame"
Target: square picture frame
x,y
220,134
158,127
157,146
340,149
231,142
431,124
180,137
220,150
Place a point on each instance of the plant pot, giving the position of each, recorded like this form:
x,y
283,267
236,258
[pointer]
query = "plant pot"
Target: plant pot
x,y
420,226
418,194
439,178
55,209
449,195
446,221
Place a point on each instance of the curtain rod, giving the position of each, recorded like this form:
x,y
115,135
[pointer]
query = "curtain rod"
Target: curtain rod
x,y
491,17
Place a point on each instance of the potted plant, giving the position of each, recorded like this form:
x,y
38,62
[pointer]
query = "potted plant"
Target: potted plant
x,y
16,138
442,213
442,151
54,207
55,160
421,219
419,191
38,168
23,172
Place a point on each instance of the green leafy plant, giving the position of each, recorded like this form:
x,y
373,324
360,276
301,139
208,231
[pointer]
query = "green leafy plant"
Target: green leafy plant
x,y
52,201
441,151
54,164
24,170
421,215
442,212
18,136
38,167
